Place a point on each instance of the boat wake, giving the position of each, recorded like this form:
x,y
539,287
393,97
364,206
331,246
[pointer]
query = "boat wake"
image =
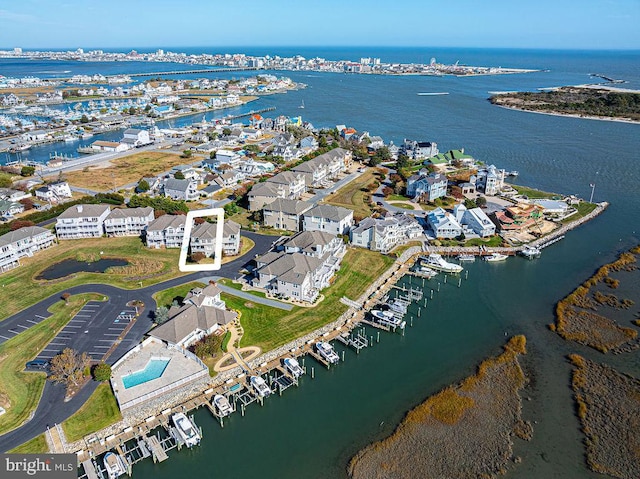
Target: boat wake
x,y
433,93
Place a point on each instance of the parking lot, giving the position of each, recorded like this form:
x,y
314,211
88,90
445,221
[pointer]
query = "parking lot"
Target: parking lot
x,y
94,330
8,332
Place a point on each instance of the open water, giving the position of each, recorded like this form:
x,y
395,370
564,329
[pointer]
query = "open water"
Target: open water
x,y
312,431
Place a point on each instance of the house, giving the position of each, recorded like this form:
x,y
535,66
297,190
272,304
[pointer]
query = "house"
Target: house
x,y
201,314
82,221
489,180
429,187
287,184
36,135
384,234
23,242
203,238
230,178
226,157
552,207
166,231
9,208
314,173
518,217
128,221
134,137
54,192
474,220
181,189
328,218
303,267
13,195
284,214
443,224
309,143
419,149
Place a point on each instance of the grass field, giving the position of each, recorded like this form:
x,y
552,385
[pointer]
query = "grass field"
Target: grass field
x,y
19,391
166,297
584,208
124,170
148,266
269,328
532,193
351,195
37,445
100,410
404,206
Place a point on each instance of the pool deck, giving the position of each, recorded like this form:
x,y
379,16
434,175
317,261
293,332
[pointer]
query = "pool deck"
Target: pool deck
x,y
179,368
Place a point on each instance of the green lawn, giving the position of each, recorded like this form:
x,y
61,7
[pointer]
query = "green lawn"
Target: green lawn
x,y
397,198
37,445
532,193
352,197
238,286
404,206
584,208
100,410
148,266
492,242
269,328
19,390
166,296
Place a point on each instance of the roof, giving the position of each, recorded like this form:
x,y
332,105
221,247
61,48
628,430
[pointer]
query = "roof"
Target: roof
x,y
197,295
167,221
178,185
288,207
22,233
330,212
112,144
291,268
188,318
84,211
308,240
208,230
130,212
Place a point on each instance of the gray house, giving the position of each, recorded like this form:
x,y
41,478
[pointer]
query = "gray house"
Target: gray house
x,y
285,214
21,243
203,238
82,221
181,189
328,218
166,231
128,221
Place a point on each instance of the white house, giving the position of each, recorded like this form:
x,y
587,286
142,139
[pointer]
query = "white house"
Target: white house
x,y
135,137
128,221
203,238
384,234
444,224
23,242
328,218
166,231
82,221
474,220
54,192
430,186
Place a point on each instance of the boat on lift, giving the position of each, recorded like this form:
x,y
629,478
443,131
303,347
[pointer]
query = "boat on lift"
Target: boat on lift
x,y
437,262
495,257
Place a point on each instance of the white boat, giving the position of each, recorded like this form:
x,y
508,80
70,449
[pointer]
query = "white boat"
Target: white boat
x,y
495,257
398,306
86,136
260,385
530,252
437,93
186,429
114,464
437,262
19,148
387,318
222,405
302,105
327,352
513,173
292,365
466,257
427,272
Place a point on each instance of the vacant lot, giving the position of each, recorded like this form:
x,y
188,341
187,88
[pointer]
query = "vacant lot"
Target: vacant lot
x,y
352,195
124,170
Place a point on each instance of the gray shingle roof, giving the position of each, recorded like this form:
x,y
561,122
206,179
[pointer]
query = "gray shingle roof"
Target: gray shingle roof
x,y
166,221
21,233
289,207
330,212
84,211
130,212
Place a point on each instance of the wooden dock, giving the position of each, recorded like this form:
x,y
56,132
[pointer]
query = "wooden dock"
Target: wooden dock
x,y
157,450
89,469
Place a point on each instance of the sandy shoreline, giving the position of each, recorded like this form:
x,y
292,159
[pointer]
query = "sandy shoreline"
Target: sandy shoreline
x,y
572,115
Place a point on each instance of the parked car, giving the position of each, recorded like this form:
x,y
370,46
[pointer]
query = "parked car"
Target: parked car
x,y
37,364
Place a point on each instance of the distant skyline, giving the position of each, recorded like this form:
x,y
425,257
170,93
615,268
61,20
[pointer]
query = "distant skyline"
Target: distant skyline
x,y
588,24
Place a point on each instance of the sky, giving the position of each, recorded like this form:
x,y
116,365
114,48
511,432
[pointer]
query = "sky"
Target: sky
x,y
557,24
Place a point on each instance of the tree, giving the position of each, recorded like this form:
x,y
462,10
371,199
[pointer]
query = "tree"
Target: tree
x,y
230,209
403,161
68,367
102,372
481,201
17,224
179,175
386,191
198,256
382,154
470,204
212,135
186,154
84,119
161,315
226,131
143,186
66,297
27,203
27,171
132,110
5,180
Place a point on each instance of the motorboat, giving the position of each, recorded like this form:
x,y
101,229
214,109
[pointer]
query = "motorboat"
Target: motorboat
x,y
495,257
19,148
530,252
186,429
387,318
437,262
114,464
513,173
327,352
467,257
398,305
260,386
222,405
292,365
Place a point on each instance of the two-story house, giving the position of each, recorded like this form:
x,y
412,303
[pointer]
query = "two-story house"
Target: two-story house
x,y
203,238
285,214
475,220
287,184
444,224
54,192
23,242
328,218
427,187
166,231
384,234
128,221
181,189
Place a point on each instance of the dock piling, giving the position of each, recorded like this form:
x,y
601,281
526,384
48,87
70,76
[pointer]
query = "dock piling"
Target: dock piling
x,y
378,336
313,372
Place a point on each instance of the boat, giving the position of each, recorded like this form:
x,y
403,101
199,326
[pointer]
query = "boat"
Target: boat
x,y
530,252
222,405
387,318
327,352
292,365
19,148
186,429
437,262
495,257
114,464
86,136
513,173
433,93
260,385
467,257
398,305
301,105
427,272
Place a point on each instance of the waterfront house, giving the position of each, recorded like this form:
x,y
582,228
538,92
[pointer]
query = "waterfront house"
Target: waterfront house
x,y
128,221
474,220
112,146
419,149
166,231
443,224
54,192
21,243
519,217
489,180
427,187
203,238
328,218
134,137
384,234
201,314
82,221
181,189
285,214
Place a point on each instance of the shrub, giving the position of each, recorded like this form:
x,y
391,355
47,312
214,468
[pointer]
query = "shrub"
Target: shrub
x,y
102,372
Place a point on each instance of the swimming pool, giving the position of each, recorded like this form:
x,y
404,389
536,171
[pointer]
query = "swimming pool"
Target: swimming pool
x,y
152,370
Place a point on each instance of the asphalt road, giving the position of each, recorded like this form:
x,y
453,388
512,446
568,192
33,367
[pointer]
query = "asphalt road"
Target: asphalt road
x,y
52,408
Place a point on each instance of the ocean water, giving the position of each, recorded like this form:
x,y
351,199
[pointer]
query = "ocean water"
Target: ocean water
x,y
313,430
